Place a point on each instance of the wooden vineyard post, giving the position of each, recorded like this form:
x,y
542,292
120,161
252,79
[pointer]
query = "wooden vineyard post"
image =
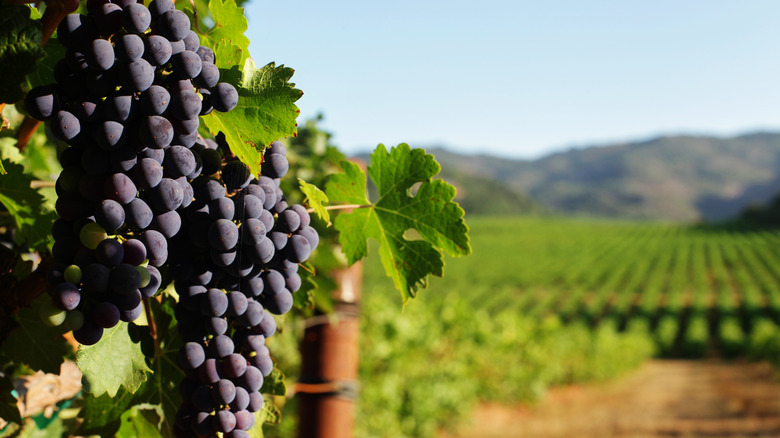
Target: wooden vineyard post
x,y
329,363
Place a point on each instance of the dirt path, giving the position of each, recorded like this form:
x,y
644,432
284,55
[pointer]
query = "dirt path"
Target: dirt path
x,y
661,399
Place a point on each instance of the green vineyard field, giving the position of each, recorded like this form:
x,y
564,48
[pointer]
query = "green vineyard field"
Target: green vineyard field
x,y
544,302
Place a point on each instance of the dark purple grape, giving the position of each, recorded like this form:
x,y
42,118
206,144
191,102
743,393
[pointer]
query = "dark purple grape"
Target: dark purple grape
x,y
185,105
155,100
119,108
221,346
278,304
136,18
159,7
255,402
192,355
138,214
297,249
236,175
288,221
130,315
167,195
168,223
191,41
234,365
65,126
94,278
101,84
208,76
237,304
186,65
124,279
252,286
223,235
179,161
224,391
123,159
156,244
224,421
129,47
138,75
293,282
156,132
100,55
120,188
241,401
216,326
110,215
262,360
279,238
244,420
223,259
202,423
110,253
252,230
107,19
224,97
110,135
302,213
66,296
212,161
74,29
41,102
135,252
157,50
173,24
187,191
155,282
215,303
208,189
147,174
209,372
206,54
156,154
274,165
88,334
105,314
221,208
264,250
88,109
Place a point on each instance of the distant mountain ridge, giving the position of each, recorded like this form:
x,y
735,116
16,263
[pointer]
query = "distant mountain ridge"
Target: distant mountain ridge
x,y
679,178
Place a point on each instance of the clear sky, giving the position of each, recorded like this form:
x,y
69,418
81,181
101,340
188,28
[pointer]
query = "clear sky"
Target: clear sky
x,y
525,78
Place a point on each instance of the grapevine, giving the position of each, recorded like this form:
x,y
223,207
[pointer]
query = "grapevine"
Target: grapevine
x,y
170,215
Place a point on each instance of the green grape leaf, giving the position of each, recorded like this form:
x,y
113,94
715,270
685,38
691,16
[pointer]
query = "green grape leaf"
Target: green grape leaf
x,y
274,383
34,343
26,206
140,421
115,361
316,199
430,213
266,112
101,415
230,25
269,413
20,49
44,70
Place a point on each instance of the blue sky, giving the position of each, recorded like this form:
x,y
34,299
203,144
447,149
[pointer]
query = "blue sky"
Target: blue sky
x,y
524,79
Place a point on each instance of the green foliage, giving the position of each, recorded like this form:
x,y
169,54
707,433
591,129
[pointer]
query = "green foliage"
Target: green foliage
x,y
266,111
229,26
33,343
20,49
140,421
26,206
316,199
117,360
430,212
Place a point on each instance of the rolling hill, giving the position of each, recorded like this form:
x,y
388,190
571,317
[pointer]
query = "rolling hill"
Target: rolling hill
x,y
678,178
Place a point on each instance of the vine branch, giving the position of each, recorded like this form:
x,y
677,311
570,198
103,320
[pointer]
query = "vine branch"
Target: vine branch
x,y
152,326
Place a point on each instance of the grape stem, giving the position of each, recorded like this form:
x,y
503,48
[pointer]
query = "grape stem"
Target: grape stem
x,y
152,327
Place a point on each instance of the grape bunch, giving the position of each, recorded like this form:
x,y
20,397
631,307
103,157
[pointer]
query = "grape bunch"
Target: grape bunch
x,y
237,265
127,101
144,199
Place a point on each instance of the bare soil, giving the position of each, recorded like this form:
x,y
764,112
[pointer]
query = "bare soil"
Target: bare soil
x,y
664,398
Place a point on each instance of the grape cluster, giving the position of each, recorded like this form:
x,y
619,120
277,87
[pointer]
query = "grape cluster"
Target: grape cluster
x,y
239,265
143,199
127,101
